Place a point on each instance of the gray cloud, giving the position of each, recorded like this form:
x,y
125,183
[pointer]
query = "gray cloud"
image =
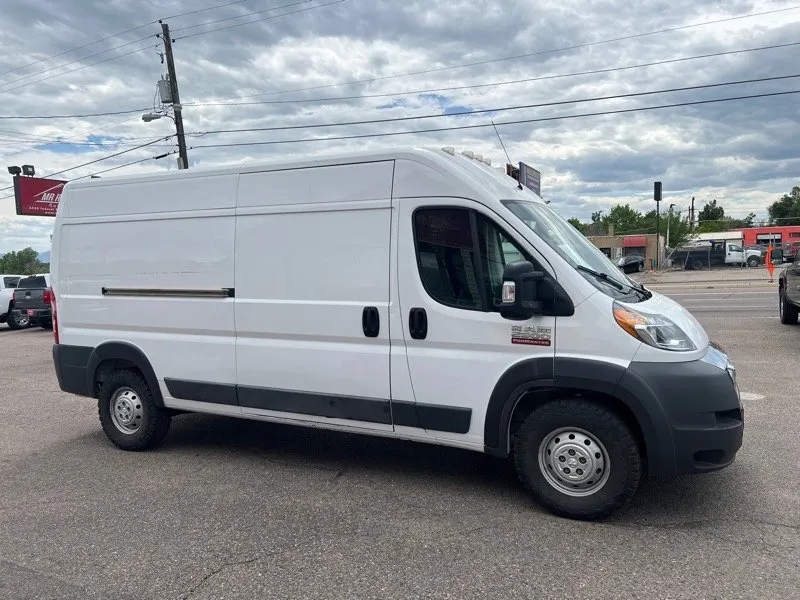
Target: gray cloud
x,y
742,152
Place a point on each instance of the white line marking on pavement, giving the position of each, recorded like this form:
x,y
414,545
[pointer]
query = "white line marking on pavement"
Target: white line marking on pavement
x,y
730,293
751,396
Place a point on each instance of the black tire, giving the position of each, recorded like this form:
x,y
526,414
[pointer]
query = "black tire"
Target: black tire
x,y
753,261
17,324
623,470
697,265
640,266
46,324
788,311
153,421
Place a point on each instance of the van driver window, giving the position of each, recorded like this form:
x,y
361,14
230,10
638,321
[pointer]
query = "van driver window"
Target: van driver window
x,y
450,271
497,250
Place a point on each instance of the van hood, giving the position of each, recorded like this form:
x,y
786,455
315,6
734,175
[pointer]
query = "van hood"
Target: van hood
x,y
661,305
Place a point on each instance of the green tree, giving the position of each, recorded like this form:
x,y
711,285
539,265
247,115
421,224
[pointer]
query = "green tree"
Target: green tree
x,y
624,219
23,262
576,223
712,217
786,211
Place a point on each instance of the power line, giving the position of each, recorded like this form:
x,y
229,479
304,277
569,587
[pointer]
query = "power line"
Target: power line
x,y
76,69
91,162
83,116
527,55
516,122
249,14
502,108
116,35
496,83
135,162
72,62
294,12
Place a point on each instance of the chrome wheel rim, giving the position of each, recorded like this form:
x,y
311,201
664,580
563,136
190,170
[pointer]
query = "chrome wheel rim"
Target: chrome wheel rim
x,y
23,321
574,462
126,411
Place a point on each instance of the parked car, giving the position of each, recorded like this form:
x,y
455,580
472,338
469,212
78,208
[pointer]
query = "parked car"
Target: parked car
x,y
631,264
32,300
717,253
401,314
790,251
789,292
8,283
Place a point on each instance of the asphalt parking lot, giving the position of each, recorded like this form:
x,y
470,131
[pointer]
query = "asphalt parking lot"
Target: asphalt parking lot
x,y
235,509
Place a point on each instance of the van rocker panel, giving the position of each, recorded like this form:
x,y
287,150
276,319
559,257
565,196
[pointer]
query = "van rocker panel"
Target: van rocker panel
x,y
76,370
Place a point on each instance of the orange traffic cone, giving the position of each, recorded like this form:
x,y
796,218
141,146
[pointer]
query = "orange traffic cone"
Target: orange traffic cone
x,y
770,266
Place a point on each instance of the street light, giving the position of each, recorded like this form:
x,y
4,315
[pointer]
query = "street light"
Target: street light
x,y
147,117
669,220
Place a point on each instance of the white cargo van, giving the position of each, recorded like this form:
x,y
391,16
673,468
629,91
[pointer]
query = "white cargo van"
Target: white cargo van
x,y
416,294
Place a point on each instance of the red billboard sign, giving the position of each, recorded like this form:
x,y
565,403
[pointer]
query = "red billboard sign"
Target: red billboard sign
x,y
36,196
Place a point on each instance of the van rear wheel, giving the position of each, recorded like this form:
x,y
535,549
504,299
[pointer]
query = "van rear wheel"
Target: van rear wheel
x,y
129,415
578,459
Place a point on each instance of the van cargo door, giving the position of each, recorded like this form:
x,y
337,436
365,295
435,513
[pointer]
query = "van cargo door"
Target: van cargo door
x,y
312,294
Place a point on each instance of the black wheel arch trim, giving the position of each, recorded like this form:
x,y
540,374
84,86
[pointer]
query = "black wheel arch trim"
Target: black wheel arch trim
x,y
127,352
581,375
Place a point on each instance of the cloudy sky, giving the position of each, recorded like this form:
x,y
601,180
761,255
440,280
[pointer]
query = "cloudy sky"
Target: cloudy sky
x,y
241,65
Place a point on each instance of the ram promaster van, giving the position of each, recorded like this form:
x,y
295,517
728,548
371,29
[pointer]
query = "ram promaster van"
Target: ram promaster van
x,y
415,294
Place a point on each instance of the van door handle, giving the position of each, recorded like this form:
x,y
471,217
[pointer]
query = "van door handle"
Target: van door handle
x,y
371,321
418,323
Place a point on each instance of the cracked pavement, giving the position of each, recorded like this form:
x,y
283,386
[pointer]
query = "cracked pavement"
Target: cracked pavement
x,y
235,509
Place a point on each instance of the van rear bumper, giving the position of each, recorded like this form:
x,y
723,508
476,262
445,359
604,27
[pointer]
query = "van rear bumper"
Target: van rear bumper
x,y
703,419
71,364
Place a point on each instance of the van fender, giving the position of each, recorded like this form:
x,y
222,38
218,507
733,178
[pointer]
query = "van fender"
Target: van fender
x,y
582,375
129,353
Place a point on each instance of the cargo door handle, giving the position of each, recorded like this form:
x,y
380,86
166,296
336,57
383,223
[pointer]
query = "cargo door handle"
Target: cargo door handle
x,y
371,321
418,323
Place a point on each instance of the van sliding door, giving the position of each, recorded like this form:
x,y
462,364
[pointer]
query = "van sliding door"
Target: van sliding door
x,y
312,294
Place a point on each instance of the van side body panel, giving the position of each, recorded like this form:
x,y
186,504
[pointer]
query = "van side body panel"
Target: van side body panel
x,y
122,248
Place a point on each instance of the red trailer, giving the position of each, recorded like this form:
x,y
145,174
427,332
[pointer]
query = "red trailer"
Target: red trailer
x,y
778,236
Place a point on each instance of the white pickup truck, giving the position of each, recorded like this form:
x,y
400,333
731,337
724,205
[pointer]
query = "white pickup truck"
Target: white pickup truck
x,y
8,283
715,253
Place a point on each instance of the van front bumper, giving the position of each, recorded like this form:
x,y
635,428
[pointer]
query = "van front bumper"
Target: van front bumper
x,y
701,425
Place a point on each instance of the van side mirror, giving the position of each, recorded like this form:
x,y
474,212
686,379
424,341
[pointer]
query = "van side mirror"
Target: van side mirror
x,y
519,298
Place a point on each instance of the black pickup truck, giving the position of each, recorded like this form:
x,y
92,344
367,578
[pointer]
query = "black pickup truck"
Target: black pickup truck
x,y
789,292
32,300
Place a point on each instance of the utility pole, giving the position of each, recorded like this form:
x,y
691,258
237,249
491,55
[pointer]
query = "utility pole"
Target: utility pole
x,y
176,99
657,198
691,218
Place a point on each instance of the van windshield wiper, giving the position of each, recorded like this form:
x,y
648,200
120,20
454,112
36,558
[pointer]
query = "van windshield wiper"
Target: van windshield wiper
x,y
601,276
639,289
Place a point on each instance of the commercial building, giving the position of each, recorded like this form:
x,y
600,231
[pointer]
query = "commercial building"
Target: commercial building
x,y
649,246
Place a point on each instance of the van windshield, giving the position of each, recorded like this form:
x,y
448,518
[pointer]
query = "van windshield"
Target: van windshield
x,y
573,247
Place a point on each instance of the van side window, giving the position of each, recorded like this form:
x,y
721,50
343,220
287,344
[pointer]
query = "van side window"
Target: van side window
x,y
446,257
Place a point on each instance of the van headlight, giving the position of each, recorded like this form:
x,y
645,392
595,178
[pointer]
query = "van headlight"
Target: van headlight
x,y
654,330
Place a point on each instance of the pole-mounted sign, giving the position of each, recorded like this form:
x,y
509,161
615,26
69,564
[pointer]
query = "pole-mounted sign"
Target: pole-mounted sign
x,y
36,196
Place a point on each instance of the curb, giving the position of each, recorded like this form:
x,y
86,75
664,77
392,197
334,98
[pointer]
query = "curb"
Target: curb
x,y
712,285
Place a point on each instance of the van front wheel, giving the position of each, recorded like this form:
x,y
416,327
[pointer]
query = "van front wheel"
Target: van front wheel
x,y
129,415
577,459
